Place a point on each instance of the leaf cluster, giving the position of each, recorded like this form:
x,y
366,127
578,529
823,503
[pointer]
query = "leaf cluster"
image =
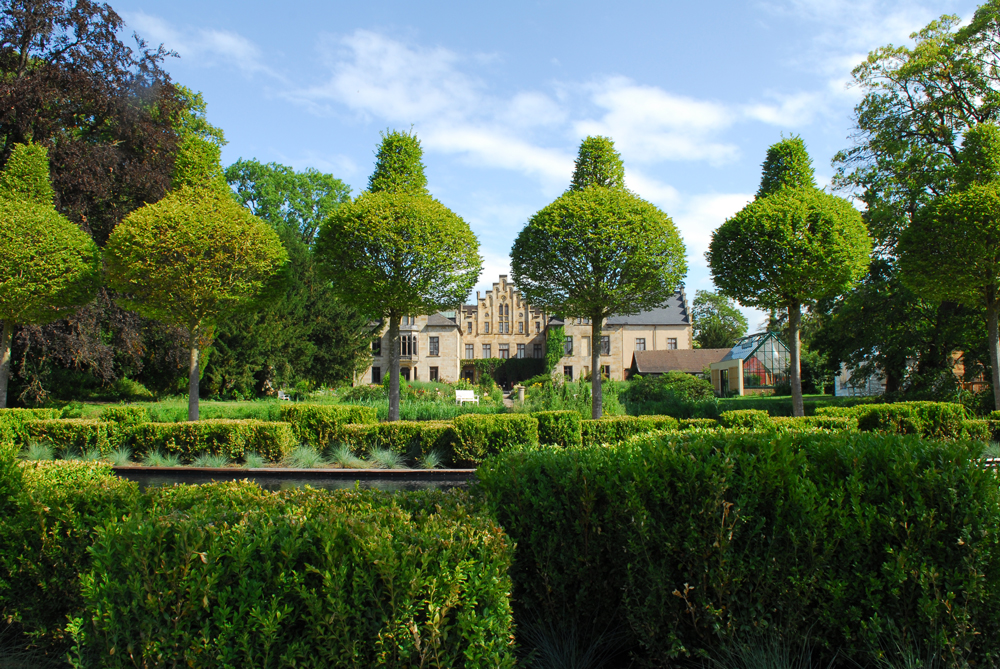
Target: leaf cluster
x,y
717,321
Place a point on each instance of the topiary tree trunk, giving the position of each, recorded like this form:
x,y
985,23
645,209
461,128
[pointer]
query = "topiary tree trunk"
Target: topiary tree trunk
x,y
596,390
393,366
5,339
795,366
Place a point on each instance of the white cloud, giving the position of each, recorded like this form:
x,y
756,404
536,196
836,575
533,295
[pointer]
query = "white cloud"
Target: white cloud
x,y
203,46
794,110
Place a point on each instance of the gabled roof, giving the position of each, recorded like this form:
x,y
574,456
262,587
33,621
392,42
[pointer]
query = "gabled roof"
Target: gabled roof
x,y
690,361
746,347
672,312
440,320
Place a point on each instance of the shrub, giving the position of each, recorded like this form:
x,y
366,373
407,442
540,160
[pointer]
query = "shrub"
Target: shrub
x,y
128,415
44,542
483,435
749,419
820,422
979,430
823,539
68,435
845,412
661,387
349,579
319,424
13,421
940,420
366,393
409,438
560,428
689,423
231,438
616,429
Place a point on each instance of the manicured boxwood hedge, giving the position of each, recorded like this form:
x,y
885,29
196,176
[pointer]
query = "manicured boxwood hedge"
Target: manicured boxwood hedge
x,y
349,579
747,419
76,435
615,429
409,438
12,422
702,423
128,415
319,424
939,420
559,428
232,438
834,542
481,435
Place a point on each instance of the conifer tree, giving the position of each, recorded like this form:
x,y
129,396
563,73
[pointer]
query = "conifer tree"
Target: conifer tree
x,y
193,256
48,266
793,245
598,250
397,251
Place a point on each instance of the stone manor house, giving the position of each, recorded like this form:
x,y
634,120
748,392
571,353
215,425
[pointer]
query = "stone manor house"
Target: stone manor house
x,y
443,346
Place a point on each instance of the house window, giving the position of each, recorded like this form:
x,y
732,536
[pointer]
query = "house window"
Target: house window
x,y
520,327
487,350
504,351
468,327
568,346
538,351
640,343
606,345
470,351
376,375
432,346
606,371
568,373
409,320
538,327
671,344
377,346
486,328
408,345
434,373
520,350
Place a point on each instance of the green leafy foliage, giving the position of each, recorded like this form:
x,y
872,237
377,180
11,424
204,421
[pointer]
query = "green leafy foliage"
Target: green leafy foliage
x,y
939,420
484,435
616,429
598,250
25,177
407,438
748,419
717,321
819,538
231,438
77,435
320,425
128,415
44,541
399,166
559,428
361,581
554,341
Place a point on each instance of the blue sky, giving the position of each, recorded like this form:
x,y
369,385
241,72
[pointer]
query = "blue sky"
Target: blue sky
x,y
501,94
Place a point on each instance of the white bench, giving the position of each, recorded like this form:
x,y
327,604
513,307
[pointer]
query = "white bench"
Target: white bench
x,y
282,395
463,396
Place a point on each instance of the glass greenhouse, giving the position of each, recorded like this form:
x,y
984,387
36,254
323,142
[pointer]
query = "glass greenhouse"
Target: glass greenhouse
x,y
755,365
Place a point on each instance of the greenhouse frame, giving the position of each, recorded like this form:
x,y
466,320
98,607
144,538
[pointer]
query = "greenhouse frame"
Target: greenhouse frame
x,y
754,366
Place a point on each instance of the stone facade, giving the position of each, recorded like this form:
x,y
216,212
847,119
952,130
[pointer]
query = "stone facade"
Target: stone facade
x,y
502,325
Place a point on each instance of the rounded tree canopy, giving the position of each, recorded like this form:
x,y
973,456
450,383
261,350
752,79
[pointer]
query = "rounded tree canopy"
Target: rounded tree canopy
x,y
26,175
48,266
598,246
398,249
191,257
795,245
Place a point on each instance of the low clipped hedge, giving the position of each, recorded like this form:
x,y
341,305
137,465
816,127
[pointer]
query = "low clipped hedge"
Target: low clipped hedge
x,y
13,421
231,438
696,423
319,424
615,429
831,542
127,415
820,422
747,419
349,579
559,428
481,435
48,526
939,420
77,435
409,438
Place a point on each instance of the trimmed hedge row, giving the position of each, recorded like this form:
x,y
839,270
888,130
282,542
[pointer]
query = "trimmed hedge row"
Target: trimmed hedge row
x,y
559,428
232,438
832,542
939,420
245,577
128,415
319,425
616,429
12,422
409,438
481,435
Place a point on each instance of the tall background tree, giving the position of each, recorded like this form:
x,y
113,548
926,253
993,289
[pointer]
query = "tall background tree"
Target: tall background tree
x,y
717,321
48,266
193,256
598,250
791,246
309,334
917,103
396,250
951,249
